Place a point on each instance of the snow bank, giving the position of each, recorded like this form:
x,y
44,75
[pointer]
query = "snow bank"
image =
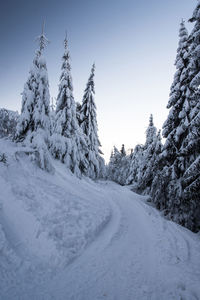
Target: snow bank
x,y
45,219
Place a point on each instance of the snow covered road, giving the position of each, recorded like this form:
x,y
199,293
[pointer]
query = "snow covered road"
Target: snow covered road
x,y
138,255
63,238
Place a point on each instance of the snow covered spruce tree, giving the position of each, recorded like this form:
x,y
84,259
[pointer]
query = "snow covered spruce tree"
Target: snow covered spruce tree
x,y
113,166
191,144
124,165
118,165
167,191
52,114
175,127
78,112
150,133
145,161
152,159
134,167
145,175
88,123
68,141
33,127
177,186
8,123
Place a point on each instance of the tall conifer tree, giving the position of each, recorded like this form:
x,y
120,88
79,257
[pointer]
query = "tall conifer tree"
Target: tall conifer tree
x,y
88,120
34,124
148,150
191,144
68,142
175,128
35,98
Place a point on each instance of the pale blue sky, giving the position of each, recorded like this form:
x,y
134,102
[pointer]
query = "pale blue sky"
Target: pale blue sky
x,y
133,44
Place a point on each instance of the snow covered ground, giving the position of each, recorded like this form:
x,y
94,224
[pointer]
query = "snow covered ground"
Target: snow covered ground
x,y
65,238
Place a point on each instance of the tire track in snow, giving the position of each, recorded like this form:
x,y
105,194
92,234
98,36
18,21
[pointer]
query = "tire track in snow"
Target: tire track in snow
x,y
126,260
178,253
134,257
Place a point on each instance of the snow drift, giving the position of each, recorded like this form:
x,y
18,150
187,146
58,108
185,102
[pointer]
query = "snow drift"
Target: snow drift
x,y
45,219
65,238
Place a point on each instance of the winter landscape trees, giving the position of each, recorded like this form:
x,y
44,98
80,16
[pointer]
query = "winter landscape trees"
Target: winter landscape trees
x,y
68,142
70,132
169,172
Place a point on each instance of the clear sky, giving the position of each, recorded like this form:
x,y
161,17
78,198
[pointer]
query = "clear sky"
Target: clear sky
x,y
133,43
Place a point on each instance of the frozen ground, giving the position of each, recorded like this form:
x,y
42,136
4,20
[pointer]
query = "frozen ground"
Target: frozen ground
x,y
63,238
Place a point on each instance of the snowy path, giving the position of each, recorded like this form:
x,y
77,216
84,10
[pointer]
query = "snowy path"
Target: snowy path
x,y
63,238
138,255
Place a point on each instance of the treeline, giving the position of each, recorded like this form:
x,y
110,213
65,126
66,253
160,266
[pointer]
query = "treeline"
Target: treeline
x,y
170,173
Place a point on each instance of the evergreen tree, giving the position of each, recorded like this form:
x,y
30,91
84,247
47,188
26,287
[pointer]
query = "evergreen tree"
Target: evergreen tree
x,y
8,122
176,126
134,168
123,151
160,185
68,142
35,98
150,133
52,115
89,126
148,151
118,165
152,154
167,190
52,106
124,165
114,166
191,181
111,164
34,123
78,112
191,144
176,185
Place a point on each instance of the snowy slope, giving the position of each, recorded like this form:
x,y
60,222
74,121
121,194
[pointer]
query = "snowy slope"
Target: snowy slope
x,y
46,220
65,238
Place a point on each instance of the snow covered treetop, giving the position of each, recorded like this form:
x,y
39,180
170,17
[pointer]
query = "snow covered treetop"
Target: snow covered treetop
x,y
66,56
150,132
151,120
91,79
43,41
183,35
65,95
196,13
